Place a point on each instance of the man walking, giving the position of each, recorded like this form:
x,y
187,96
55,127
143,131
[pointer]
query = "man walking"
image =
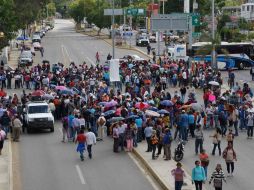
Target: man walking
x,y
148,133
199,139
90,140
167,139
16,128
101,126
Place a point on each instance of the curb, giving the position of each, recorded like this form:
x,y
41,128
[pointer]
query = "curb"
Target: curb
x,y
154,174
10,166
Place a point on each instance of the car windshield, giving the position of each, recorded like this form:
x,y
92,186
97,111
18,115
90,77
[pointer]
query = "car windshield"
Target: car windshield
x,y
26,54
38,109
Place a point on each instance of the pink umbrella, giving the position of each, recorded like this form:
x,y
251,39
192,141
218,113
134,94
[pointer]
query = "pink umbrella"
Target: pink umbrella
x,y
155,66
60,88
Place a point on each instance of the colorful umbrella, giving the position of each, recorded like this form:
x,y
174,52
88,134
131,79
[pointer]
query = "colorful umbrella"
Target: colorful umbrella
x,y
38,93
115,119
153,109
133,117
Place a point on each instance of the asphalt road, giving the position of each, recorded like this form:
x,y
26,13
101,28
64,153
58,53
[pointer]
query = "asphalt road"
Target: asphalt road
x,y
46,163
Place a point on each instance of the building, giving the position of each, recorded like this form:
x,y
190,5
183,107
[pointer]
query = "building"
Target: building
x,y
247,11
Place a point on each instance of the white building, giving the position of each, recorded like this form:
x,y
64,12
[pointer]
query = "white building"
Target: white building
x,y
247,11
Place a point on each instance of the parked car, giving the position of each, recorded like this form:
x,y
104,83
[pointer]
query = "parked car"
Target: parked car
x,y
152,38
142,41
36,38
25,58
37,46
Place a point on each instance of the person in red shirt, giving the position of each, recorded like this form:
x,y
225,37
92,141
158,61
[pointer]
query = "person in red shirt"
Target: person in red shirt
x,y
81,140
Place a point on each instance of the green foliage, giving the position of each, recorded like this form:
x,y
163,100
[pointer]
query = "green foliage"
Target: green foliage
x,y
51,9
97,17
8,23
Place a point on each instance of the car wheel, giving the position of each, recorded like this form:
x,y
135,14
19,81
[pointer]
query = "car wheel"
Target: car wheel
x,y
52,129
241,66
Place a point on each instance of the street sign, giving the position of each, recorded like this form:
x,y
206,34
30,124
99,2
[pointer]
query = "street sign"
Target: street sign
x,y
172,22
196,34
195,20
109,12
135,12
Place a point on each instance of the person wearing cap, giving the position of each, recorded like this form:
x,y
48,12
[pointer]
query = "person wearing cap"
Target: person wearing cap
x,y
179,175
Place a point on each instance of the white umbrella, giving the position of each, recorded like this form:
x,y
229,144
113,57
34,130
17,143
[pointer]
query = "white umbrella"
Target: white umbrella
x,y
196,106
214,83
152,113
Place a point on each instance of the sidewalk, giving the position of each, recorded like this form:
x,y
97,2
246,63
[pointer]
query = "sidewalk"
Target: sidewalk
x,y
6,167
160,169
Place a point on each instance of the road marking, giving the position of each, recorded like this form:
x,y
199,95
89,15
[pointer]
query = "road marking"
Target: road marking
x,y
81,177
66,55
90,60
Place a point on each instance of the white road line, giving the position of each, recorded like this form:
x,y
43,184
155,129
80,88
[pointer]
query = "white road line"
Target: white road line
x,y
81,177
90,60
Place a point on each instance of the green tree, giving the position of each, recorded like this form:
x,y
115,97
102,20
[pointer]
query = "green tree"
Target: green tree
x,y
8,22
96,16
51,9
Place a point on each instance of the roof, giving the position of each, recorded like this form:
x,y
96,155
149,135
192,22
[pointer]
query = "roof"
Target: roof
x,y
37,103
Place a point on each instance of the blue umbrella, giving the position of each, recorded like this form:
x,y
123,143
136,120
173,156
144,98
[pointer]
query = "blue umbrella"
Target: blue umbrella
x,y
163,111
91,110
116,119
22,38
102,103
153,108
133,117
109,112
166,103
67,92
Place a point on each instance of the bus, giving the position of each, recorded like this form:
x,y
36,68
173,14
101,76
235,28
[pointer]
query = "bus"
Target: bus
x,y
242,54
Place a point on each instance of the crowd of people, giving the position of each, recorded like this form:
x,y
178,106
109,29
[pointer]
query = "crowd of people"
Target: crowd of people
x,y
141,106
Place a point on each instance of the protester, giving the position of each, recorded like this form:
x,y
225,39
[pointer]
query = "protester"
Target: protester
x,y
167,139
179,175
154,143
198,175
230,156
204,159
115,137
90,141
2,138
216,141
17,125
217,177
81,140
199,139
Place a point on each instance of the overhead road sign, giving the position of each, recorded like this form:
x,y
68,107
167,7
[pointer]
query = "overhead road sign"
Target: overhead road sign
x,y
109,12
174,22
195,20
135,12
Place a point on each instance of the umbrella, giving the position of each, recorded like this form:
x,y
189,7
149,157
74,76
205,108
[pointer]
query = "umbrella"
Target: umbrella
x,y
155,66
214,83
38,93
48,97
92,110
2,93
67,92
60,88
141,105
163,111
22,38
112,103
102,103
133,117
116,119
152,113
153,109
109,112
196,106
166,103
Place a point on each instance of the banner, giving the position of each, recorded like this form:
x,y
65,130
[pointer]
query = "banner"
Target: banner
x,y
114,70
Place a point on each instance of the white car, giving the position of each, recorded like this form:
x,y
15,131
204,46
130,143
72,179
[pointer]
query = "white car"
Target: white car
x,y
26,58
36,46
38,116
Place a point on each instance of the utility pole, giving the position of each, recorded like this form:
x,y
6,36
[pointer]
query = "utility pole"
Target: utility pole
x,y
113,29
214,62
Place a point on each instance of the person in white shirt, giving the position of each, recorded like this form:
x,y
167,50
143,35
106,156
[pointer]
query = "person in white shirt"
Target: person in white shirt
x,y
90,140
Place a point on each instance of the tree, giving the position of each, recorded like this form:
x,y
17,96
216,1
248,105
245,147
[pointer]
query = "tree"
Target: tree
x,y
96,16
51,9
8,22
